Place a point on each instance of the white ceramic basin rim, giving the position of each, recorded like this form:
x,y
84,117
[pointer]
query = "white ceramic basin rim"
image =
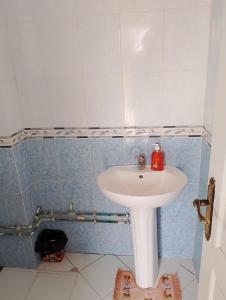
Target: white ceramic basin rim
x,y
130,187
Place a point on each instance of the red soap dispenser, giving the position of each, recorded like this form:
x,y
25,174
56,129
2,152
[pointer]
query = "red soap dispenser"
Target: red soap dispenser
x,y
157,158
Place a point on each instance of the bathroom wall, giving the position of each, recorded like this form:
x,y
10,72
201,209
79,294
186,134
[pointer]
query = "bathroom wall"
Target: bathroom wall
x,y
104,63
94,63
14,251
52,172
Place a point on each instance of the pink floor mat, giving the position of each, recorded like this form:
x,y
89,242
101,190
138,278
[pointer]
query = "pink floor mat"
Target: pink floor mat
x,y
168,288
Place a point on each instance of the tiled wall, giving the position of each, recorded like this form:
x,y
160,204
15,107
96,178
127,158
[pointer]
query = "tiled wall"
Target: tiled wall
x,y
203,183
51,172
102,63
14,251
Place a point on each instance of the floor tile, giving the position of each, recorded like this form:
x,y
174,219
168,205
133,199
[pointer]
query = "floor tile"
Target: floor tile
x,y
83,291
185,277
19,269
81,260
184,268
128,260
109,296
187,264
170,266
52,286
167,266
190,292
101,274
64,266
15,284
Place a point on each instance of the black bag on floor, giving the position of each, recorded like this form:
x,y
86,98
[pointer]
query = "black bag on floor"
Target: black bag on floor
x,y
50,242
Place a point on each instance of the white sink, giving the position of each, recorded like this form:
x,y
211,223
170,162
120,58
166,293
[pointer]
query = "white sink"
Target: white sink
x,y
142,191
130,187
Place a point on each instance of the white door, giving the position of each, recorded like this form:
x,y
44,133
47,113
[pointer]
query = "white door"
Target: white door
x,y
212,284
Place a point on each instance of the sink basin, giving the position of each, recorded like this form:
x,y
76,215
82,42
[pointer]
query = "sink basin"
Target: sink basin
x,y
142,191
130,187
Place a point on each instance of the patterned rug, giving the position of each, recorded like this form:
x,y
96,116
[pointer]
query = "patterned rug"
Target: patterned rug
x,y
168,288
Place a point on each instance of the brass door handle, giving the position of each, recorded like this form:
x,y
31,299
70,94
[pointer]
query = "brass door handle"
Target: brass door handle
x,y
197,204
208,203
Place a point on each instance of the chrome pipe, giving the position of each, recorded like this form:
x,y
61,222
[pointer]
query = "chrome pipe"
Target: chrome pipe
x,y
70,215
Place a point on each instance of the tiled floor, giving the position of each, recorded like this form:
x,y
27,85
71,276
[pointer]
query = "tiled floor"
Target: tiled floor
x,y
83,277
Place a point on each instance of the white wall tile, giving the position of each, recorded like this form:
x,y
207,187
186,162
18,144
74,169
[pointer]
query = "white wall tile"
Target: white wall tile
x,y
19,10
10,114
51,9
185,3
3,16
186,40
104,100
96,7
184,94
6,70
60,48
144,100
10,120
25,47
100,44
142,41
140,5
66,100
34,100
62,61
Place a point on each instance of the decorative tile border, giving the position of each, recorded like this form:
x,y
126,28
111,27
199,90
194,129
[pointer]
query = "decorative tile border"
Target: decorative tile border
x,y
97,132
9,141
164,131
207,136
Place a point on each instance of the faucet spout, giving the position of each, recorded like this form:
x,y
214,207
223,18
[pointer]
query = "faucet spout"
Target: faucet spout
x,y
141,161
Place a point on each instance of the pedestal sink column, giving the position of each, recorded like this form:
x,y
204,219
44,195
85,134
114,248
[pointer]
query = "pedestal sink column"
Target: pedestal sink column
x,y
144,231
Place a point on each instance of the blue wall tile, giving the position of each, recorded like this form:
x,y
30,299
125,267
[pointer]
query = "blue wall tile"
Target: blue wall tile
x,y
12,210
9,182
136,146
182,210
85,165
96,238
106,152
86,196
79,193
16,252
29,204
47,194
66,156
176,240
54,172
184,153
24,171
42,159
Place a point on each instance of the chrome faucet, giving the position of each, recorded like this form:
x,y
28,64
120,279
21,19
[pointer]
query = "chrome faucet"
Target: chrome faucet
x,y
141,161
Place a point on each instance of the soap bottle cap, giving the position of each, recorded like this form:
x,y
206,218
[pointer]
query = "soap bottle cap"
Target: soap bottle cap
x,y
157,147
